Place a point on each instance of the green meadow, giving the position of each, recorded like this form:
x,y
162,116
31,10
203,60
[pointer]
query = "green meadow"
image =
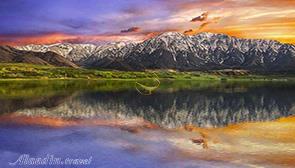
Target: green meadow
x,y
19,71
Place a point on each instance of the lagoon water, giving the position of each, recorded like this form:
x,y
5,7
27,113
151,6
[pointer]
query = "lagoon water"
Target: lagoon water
x,y
116,126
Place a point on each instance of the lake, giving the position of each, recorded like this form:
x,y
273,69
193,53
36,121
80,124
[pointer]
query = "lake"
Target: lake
x,y
115,124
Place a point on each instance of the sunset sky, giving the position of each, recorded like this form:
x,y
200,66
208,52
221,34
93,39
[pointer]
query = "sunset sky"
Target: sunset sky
x,y
98,21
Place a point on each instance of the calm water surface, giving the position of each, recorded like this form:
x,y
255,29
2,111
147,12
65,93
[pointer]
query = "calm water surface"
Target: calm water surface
x,y
41,118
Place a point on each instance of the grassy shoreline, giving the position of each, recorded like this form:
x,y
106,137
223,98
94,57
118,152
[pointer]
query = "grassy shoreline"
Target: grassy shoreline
x,y
20,71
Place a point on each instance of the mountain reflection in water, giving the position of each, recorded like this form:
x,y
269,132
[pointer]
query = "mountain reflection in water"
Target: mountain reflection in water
x,y
199,104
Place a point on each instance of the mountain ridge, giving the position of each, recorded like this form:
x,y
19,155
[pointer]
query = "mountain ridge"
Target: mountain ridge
x,y
173,50
12,55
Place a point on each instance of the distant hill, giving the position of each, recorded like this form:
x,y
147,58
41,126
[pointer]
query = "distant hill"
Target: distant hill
x,y
12,55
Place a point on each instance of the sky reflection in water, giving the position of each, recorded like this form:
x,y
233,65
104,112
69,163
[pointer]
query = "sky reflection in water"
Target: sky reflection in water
x,y
152,139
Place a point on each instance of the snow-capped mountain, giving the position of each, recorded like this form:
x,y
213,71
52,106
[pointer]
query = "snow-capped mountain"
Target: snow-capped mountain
x,y
73,52
172,50
108,55
83,53
207,51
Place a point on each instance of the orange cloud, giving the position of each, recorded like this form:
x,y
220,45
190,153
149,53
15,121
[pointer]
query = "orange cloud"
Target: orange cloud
x,y
201,18
36,39
204,25
282,32
269,3
260,19
188,32
214,20
59,38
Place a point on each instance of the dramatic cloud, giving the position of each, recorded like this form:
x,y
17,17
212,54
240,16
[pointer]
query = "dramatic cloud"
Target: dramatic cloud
x,y
60,38
200,18
131,29
52,21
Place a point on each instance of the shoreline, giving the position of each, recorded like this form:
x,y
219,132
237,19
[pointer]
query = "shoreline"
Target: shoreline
x,y
228,79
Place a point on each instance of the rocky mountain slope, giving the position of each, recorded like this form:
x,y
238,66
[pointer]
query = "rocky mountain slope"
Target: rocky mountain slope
x,y
83,53
73,52
12,55
171,50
